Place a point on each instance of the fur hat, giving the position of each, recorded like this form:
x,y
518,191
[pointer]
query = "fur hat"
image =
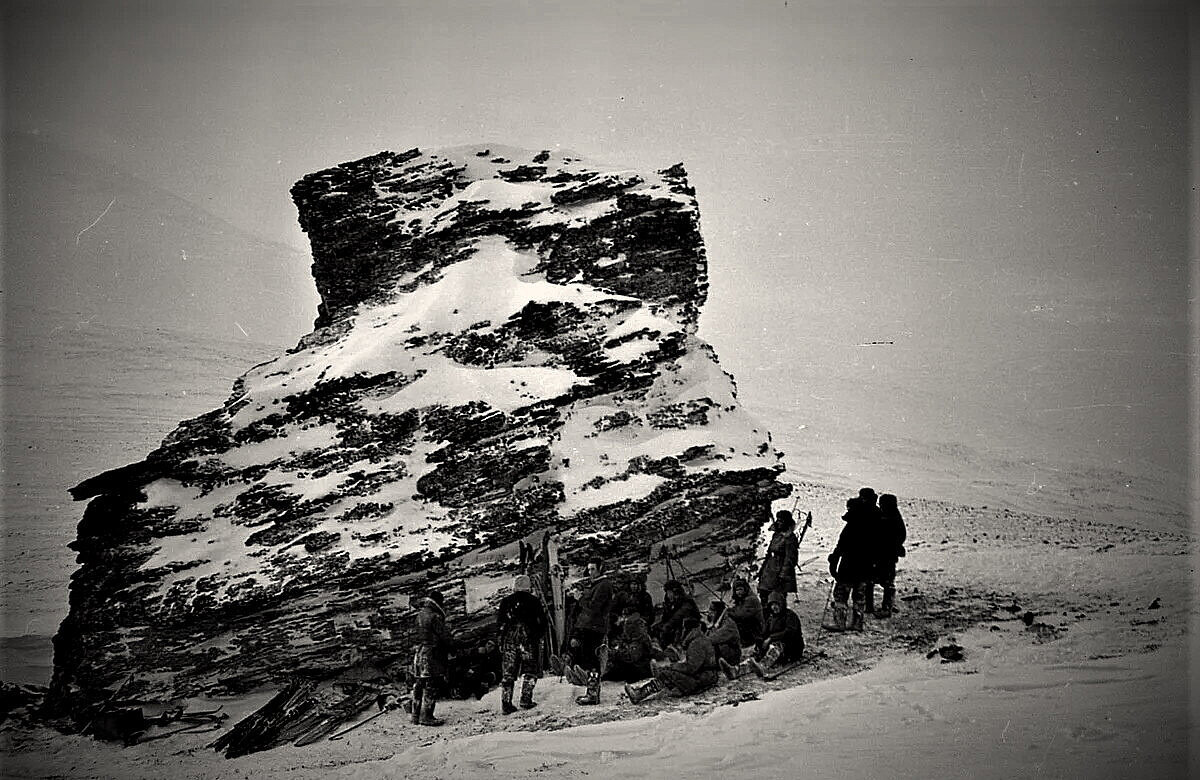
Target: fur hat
x,y
522,582
868,494
777,598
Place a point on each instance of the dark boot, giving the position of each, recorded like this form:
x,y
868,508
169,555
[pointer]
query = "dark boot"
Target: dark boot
x,y
428,702
576,675
638,692
506,694
889,603
593,690
768,660
856,620
839,618
731,672
869,607
414,702
527,702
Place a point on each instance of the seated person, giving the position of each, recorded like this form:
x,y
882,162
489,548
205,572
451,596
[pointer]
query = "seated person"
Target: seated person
x,y
696,672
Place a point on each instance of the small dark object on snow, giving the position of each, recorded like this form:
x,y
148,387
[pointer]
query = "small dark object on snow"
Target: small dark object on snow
x,y
1027,618
995,628
1013,608
949,653
1156,604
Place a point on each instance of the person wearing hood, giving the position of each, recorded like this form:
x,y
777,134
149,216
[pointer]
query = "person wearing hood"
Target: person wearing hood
x,y
630,656
723,633
522,624
677,607
853,560
696,672
430,658
778,571
783,643
747,612
891,535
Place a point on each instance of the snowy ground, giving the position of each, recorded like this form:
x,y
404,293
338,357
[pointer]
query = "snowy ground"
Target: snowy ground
x,y
1097,687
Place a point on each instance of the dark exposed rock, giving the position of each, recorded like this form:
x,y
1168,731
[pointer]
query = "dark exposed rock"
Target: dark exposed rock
x,y
500,350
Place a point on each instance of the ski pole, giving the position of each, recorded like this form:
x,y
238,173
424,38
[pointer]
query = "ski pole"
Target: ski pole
x,y
824,613
361,723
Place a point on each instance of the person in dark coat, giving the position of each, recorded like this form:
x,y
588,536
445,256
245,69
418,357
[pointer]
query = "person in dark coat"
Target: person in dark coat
x,y
696,672
891,535
778,571
747,612
630,656
591,616
642,601
522,624
430,658
852,561
783,642
723,633
677,607
591,628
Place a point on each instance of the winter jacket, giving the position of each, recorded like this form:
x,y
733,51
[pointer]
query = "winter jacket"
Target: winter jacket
x,y
748,614
892,535
634,645
431,654
644,604
526,609
594,607
669,630
726,640
785,628
778,572
854,557
699,658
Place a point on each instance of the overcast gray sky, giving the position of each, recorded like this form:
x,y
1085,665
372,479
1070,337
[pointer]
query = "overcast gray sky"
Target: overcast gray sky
x,y
998,187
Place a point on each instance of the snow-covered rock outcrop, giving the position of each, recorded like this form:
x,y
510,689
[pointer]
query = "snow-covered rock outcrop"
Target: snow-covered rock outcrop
x,y
506,344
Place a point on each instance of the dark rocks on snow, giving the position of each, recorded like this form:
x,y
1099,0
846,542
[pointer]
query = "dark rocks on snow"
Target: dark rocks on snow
x,y
422,429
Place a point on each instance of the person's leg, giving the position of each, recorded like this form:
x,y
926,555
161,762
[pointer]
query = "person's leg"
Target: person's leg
x,y
841,592
429,702
888,581
860,603
509,668
418,692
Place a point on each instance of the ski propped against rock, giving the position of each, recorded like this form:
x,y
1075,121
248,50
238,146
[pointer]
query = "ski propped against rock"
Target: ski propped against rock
x,y
336,715
557,594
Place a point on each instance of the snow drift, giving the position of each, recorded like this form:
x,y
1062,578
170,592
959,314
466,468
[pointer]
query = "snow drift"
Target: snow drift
x,y
505,345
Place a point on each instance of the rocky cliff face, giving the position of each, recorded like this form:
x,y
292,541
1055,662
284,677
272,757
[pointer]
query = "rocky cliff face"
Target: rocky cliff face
x,y
506,344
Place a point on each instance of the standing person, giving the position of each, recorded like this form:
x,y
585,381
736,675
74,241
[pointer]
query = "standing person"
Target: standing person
x,y
852,561
697,670
430,658
723,633
591,628
677,608
747,612
873,520
778,571
522,624
892,535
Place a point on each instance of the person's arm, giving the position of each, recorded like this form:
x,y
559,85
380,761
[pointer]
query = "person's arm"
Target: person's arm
x,y
791,553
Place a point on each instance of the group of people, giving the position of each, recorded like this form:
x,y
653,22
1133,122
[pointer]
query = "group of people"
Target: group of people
x,y
618,634
870,545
